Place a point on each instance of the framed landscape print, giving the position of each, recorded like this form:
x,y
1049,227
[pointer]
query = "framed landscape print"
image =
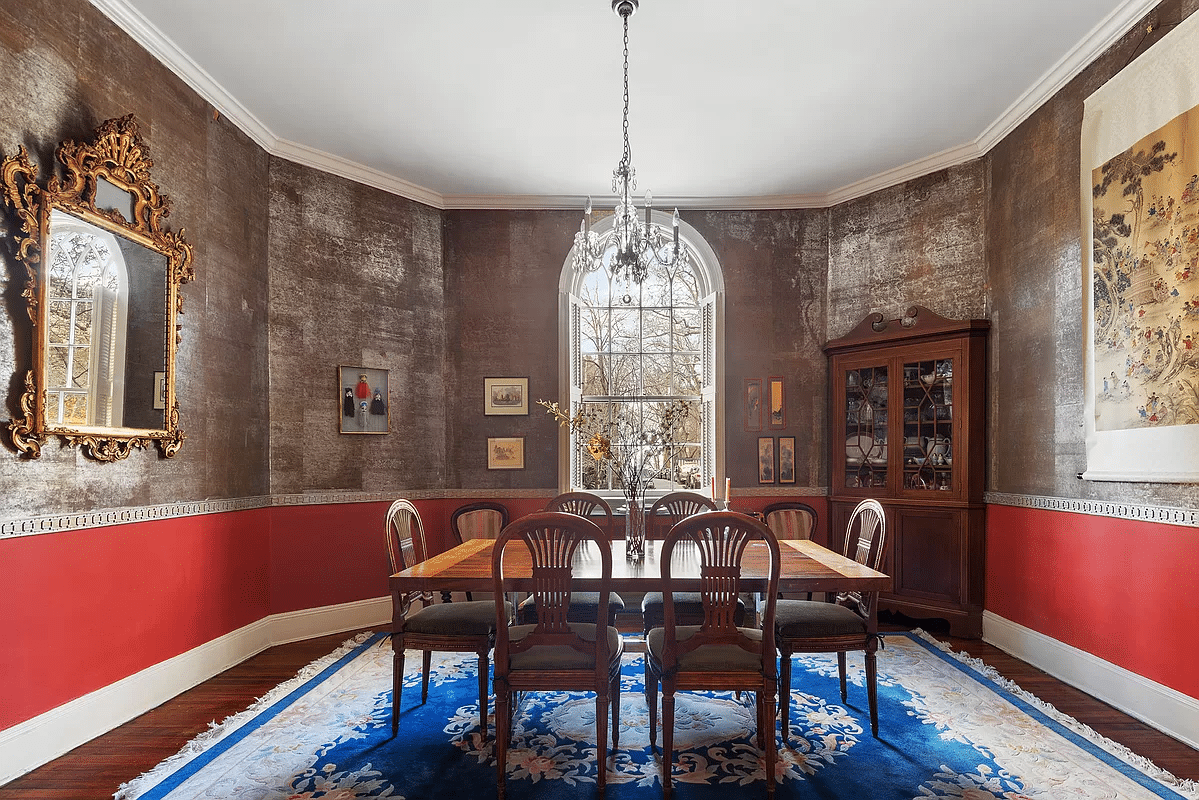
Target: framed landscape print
x,y
505,396
778,405
506,453
365,403
766,459
786,459
753,404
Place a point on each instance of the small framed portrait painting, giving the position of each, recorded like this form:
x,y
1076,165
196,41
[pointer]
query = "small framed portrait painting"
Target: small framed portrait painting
x,y
506,453
786,459
753,404
505,396
766,459
778,404
365,402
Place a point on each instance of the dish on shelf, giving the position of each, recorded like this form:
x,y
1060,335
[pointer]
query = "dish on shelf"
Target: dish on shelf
x,y
865,448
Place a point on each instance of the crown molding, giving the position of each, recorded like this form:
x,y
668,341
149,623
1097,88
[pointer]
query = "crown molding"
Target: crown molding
x,y
1101,37
166,51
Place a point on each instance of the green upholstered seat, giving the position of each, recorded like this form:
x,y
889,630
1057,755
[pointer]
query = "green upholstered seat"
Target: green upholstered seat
x,y
710,658
582,607
547,657
454,619
809,619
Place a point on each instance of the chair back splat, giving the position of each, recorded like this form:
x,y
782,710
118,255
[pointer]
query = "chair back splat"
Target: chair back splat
x,y
715,654
555,653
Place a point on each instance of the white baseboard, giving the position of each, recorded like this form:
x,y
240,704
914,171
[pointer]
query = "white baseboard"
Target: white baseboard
x,y
1161,707
34,742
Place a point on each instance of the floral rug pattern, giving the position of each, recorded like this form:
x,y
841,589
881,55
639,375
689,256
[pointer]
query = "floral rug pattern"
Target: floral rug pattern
x,y
949,728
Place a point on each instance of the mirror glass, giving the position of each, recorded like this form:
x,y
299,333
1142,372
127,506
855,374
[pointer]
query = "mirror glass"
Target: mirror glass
x,y
105,334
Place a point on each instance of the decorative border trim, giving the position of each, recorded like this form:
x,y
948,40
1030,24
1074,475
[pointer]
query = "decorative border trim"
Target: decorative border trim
x,y
57,523
1099,508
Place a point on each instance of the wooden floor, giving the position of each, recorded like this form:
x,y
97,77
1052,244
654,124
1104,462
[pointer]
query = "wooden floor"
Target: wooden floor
x,y
96,769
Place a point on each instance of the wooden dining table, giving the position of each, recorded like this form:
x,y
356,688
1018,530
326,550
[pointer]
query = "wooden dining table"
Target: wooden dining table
x,y
805,567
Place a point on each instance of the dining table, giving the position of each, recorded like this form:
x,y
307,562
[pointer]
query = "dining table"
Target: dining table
x,y
805,566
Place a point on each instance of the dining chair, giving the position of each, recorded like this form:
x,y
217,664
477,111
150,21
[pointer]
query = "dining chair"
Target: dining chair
x,y
847,623
480,520
555,654
432,627
662,515
790,520
717,654
582,604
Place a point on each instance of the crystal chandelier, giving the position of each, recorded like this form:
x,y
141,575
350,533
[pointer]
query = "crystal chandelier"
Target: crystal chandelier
x,y
637,245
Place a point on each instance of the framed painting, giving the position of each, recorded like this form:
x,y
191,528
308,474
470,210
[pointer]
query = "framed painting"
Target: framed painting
x,y
505,396
778,404
365,401
506,453
766,459
1139,198
786,459
753,404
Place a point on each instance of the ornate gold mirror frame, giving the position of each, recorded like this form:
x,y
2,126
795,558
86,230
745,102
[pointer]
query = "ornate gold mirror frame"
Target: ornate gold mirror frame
x,y
102,286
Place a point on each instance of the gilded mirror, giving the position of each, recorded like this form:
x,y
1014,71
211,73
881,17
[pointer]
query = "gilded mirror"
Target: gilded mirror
x,y
102,291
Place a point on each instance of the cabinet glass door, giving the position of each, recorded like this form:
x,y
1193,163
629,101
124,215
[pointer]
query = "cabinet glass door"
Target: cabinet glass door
x,y
866,427
928,425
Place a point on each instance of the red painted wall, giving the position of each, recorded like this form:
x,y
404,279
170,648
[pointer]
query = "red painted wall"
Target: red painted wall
x,y
1125,591
83,609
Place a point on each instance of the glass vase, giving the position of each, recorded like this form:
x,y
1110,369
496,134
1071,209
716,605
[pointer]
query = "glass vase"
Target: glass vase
x,y
634,529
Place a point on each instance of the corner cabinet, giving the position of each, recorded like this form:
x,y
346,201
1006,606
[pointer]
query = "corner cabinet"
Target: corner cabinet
x,y
908,414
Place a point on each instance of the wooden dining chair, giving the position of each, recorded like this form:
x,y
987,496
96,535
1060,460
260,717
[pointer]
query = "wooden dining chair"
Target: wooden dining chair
x,y
847,623
661,517
717,654
790,520
582,604
480,520
555,654
432,627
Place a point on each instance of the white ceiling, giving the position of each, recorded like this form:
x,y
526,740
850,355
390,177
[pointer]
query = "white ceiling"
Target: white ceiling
x,y
749,104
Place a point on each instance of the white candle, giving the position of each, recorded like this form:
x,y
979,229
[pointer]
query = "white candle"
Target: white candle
x,y
727,484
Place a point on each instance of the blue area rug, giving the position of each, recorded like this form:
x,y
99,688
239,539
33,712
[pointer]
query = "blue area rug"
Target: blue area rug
x,y
949,727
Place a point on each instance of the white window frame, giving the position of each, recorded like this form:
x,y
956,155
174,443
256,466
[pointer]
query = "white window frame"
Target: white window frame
x,y
710,281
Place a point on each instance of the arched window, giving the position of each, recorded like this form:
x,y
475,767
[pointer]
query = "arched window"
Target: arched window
x,y
87,307
630,349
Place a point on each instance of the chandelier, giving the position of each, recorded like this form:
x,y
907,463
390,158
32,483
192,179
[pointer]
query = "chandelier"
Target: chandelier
x,y
638,245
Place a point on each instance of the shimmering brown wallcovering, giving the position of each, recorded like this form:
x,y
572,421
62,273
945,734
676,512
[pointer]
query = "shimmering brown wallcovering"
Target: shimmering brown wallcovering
x,y
1033,250
66,69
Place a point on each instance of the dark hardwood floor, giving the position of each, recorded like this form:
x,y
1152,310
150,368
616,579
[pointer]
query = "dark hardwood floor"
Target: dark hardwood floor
x,y
97,768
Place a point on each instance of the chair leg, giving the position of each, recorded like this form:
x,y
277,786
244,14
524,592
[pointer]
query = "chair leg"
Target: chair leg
x,y
872,690
601,740
785,692
667,738
397,682
483,661
426,666
614,693
770,744
651,703
502,714
841,669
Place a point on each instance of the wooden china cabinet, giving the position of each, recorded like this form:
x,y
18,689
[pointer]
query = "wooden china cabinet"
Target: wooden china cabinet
x,y
908,413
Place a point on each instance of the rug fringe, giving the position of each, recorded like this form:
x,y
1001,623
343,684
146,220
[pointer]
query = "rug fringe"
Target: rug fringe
x,y
1185,786
217,730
